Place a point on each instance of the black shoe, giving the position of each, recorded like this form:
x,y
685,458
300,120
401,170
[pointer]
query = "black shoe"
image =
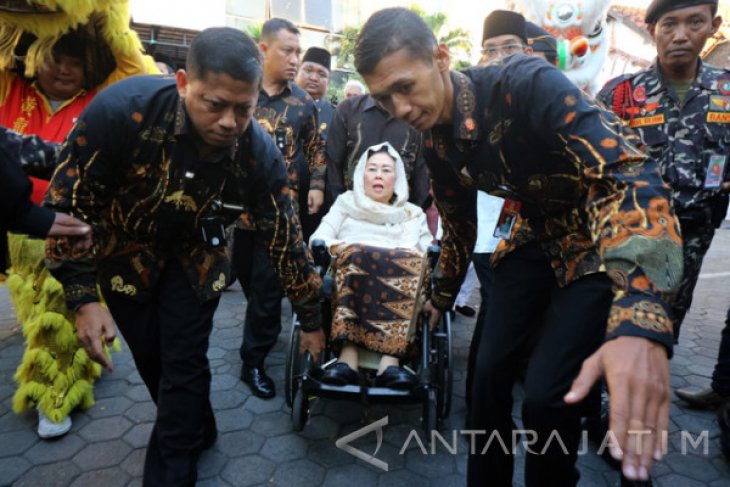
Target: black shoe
x,y
395,378
467,311
340,374
260,384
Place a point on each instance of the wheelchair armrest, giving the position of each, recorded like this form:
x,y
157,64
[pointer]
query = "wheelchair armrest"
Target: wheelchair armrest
x,y
320,254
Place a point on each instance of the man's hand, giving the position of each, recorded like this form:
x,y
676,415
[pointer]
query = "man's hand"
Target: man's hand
x,y
312,342
94,323
67,226
434,314
725,186
637,373
315,199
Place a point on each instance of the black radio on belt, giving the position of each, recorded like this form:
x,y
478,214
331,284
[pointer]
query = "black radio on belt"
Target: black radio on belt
x,y
280,135
213,231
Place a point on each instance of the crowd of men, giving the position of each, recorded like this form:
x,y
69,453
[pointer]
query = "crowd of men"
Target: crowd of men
x,y
605,209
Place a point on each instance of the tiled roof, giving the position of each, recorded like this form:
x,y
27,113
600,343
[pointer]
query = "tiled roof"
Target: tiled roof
x,y
633,14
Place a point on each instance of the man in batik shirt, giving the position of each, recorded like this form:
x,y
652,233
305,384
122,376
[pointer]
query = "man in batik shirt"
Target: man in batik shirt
x,y
289,115
152,165
597,208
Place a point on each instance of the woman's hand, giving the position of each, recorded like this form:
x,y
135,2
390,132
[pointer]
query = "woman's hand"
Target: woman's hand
x,y
312,342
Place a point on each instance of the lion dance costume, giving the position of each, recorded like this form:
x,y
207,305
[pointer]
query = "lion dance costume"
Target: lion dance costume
x,y
56,375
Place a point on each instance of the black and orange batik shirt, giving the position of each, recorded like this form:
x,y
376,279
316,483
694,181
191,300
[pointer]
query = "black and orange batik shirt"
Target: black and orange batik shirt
x,y
130,167
591,199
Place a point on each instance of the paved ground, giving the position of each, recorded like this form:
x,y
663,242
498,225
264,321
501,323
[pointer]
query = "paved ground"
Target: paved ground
x,y
257,446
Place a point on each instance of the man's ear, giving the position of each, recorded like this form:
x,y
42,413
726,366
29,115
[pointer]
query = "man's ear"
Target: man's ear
x,y
716,23
442,57
529,51
263,47
181,79
652,31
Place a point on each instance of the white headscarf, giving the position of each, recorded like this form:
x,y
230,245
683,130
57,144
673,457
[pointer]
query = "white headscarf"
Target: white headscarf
x,y
361,207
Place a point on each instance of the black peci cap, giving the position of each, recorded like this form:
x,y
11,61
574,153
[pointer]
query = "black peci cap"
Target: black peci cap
x,y
504,22
660,7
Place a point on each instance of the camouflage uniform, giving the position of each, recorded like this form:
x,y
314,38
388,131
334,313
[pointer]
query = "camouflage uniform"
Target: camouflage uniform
x,y
682,137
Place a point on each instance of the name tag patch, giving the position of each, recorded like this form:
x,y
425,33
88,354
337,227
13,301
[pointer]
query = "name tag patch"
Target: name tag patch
x,y
648,121
718,117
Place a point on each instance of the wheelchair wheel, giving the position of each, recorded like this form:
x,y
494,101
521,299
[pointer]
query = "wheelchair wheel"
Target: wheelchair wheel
x,y
293,364
299,410
429,421
444,367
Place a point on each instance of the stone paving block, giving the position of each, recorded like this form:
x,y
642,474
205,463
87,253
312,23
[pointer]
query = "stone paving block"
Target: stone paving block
x,y
14,422
102,455
227,399
135,482
692,466
404,478
105,429
142,412
138,393
12,468
248,470
56,474
284,448
54,450
233,419
134,378
676,480
138,435
429,465
348,474
239,443
321,427
211,464
223,382
215,482
302,473
110,477
110,388
16,442
273,424
112,406
325,453
257,405
134,463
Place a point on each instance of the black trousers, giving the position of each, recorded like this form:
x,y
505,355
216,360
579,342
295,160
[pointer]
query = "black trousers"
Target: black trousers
x,y
168,338
263,291
483,269
573,327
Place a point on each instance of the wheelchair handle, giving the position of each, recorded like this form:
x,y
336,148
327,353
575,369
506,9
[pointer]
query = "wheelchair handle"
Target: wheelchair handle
x,y
433,252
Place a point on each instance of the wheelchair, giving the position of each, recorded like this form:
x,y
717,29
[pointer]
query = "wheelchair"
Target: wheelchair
x,y
432,365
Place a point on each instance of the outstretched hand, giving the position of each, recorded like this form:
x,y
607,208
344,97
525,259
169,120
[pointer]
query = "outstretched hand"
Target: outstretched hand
x,y
637,372
94,326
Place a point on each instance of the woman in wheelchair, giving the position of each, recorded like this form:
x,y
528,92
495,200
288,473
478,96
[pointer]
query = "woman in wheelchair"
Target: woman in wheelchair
x,y
378,241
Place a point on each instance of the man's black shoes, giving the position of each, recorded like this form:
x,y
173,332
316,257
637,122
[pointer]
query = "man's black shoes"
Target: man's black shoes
x,y
260,384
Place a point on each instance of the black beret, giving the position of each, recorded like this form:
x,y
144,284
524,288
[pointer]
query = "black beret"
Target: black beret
x,y
319,56
503,22
541,40
660,7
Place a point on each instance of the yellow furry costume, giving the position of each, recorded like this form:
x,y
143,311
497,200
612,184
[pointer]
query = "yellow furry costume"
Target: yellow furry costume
x,y
56,375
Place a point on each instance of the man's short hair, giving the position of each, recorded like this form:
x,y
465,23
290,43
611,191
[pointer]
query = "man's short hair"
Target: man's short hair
x,y
390,30
224,50
272,27
353,83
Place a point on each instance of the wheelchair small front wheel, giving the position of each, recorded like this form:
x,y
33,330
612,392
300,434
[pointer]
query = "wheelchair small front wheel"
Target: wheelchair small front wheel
x,y
429,421
293,363
299,410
